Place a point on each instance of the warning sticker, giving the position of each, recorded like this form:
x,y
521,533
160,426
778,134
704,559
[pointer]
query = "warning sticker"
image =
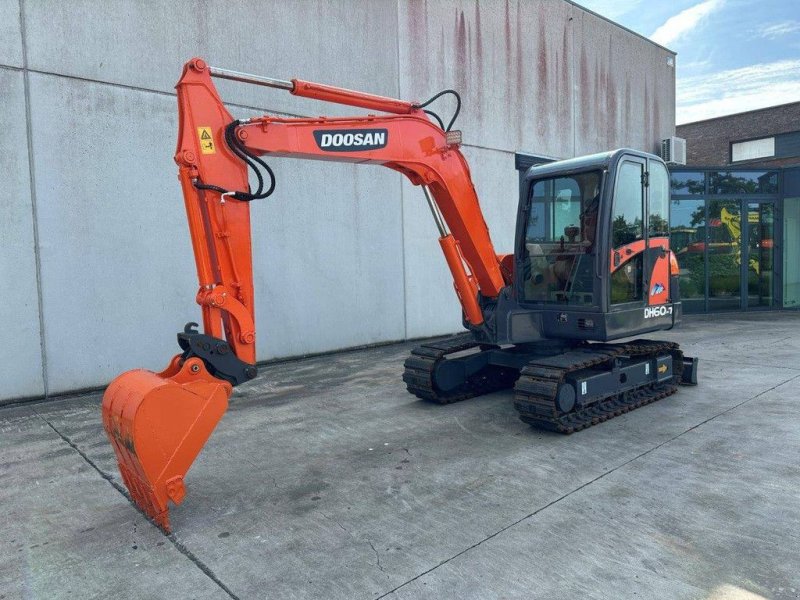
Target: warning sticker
x,y
206,140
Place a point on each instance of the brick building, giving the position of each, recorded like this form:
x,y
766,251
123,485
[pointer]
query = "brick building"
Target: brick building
x,y
768,137
735,213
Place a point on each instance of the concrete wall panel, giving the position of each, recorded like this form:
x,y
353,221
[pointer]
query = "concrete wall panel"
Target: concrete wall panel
x,y
119,278
20,353
541,76
144,44
328,254
510,61
117,270
10,34
625,89
432,307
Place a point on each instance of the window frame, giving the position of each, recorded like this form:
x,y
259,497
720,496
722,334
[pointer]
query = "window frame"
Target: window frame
x,y
644,168
598,249
732,143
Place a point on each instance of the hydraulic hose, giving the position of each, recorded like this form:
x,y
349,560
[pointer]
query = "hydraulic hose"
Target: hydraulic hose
x,y
252,161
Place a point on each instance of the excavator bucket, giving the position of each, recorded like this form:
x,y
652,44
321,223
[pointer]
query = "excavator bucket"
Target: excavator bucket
x,y
157,424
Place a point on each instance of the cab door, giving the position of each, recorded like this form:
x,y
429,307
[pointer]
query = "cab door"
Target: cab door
x,y
627,287
656,260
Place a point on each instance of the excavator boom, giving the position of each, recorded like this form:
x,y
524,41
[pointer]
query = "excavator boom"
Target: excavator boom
x,y
159,422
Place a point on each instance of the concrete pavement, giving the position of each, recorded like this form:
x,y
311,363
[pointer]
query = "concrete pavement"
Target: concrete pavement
x,y
325,479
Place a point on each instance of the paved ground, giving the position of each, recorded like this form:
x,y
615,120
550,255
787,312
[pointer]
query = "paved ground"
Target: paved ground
x,y
327,480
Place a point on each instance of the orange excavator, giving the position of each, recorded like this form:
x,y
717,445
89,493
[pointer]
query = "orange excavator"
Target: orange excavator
x,y
591,264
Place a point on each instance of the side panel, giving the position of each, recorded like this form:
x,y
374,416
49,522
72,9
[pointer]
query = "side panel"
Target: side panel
x,y
10,33
21,355
637,321
523,326
657,271
656,266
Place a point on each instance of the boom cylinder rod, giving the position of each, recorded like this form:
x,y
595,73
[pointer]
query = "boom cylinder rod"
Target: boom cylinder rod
x,y
320,91
437,215
248,78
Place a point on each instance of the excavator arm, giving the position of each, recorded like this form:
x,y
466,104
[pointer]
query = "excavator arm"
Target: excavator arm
x,y
159,422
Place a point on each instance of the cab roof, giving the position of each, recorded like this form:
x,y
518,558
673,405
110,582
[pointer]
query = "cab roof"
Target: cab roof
x,y
601,160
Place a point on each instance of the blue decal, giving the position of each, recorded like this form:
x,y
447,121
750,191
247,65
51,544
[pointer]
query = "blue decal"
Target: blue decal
x,y
657,289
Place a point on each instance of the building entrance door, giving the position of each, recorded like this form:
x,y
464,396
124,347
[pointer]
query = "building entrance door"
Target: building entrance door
x,y
725,254
759,254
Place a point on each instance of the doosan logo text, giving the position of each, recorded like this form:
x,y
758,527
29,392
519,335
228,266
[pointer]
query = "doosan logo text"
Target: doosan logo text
x,y
349,140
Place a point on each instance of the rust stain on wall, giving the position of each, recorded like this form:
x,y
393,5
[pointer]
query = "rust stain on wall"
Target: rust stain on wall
x,y
564,97
461,50
479,61
657,133
628,106
586,96
543,111
418,41
507,57
520,55
440,75
646,107
612,116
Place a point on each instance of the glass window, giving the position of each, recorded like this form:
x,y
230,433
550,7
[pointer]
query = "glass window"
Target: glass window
x,y
687,240
626,282
751,149
559,242
743,182
626,220
693,182
791,252
724,247
658,217
760,253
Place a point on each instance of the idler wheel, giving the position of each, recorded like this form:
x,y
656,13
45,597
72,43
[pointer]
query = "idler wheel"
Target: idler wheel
x,y
565,398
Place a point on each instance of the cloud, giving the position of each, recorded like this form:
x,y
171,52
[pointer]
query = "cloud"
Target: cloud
x,y
684,22
737,90
776,30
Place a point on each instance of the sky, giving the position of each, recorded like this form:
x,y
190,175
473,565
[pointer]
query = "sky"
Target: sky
x,y
733,55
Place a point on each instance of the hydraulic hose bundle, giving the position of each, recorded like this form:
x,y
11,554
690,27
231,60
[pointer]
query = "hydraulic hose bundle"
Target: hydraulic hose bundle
x,y
253,161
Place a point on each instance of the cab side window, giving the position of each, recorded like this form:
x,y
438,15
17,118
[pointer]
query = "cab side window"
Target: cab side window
x,y
627,219
627,226
658,217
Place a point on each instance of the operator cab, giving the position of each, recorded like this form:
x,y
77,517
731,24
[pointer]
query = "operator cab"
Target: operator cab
x,y
592,258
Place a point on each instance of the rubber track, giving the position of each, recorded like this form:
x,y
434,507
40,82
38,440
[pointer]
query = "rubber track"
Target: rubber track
x,y
419,368
537,386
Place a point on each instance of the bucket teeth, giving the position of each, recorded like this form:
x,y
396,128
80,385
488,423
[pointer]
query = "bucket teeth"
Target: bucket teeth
x,y
145,498
157,426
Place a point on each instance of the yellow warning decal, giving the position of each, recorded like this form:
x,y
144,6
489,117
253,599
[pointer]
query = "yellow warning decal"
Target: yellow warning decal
x,y
662,368
206,140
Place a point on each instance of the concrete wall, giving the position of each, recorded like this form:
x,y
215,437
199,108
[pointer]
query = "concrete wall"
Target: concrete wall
x,y
95,246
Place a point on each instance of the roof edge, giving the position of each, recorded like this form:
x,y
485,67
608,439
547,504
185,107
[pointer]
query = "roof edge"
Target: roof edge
x,y
744,112
636,33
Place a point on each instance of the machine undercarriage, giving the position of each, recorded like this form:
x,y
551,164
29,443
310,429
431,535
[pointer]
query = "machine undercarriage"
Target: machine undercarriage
x,y
559,386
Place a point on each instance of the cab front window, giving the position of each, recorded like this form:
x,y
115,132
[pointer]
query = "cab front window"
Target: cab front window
x,y
560,240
